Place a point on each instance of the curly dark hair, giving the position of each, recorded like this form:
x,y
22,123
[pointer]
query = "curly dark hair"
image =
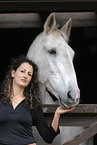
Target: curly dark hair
x,y
31,92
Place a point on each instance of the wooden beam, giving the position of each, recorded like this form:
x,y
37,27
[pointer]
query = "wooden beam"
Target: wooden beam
x,y
73,119
79,19
81,108
47,5
83,115
86,134
33,20
20,20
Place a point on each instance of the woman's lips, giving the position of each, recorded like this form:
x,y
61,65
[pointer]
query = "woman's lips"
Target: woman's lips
x,y
23,80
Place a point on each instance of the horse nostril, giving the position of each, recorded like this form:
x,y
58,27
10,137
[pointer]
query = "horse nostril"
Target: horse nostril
x,y
77,99
69,96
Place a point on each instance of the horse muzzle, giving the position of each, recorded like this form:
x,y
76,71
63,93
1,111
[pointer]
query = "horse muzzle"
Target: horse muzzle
x,y
69,100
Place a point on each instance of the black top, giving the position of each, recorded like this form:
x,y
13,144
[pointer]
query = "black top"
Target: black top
x,y
16,125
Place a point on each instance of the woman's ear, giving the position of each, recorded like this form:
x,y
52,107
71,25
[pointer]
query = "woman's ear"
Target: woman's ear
x,y
13,73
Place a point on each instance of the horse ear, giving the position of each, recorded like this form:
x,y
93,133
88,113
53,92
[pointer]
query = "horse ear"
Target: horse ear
x,y
67,27
50,23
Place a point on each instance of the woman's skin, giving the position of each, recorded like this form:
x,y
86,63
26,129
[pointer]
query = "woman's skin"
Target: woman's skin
x,y
21,78
58,112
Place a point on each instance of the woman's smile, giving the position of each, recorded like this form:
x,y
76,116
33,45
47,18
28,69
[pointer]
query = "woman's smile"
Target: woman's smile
x,y
24,80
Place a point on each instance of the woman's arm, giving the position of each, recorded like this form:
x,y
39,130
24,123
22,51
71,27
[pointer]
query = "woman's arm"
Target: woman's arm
x,y
57,114
48,133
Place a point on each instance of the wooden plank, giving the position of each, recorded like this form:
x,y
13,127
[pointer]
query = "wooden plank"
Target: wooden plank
x,y
79,19
33,20
86,134
81,108
73,119
83,115
47,5
20,20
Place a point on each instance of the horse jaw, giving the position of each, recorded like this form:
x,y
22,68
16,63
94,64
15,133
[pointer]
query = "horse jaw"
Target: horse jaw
x,y
44,96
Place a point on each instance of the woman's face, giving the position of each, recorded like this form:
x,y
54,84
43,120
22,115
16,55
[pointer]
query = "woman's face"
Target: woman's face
x,y
22,76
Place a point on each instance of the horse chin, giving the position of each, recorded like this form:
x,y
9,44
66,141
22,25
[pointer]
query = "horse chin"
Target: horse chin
x,y
62,104
65,105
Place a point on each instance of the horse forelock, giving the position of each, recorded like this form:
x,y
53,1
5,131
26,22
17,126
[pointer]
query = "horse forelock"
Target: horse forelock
x,y
56,33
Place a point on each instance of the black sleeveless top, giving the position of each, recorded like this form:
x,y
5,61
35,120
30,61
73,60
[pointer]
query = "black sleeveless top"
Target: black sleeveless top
x,y
16,125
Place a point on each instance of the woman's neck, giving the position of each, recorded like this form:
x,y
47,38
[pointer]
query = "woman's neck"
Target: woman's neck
x,y
17,92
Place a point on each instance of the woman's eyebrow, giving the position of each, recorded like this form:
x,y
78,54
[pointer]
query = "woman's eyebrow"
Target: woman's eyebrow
x,y
25,70
29,72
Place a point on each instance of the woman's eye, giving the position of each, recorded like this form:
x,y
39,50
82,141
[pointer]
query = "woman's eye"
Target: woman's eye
x,y
52,51
30,75
22,70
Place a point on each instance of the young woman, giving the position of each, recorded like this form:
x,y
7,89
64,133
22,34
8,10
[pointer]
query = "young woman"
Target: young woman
x,y
20,106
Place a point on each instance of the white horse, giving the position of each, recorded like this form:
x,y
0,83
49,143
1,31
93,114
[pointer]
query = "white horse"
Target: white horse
x,y
54,57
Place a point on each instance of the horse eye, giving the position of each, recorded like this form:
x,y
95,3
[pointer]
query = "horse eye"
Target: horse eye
x,y
52,51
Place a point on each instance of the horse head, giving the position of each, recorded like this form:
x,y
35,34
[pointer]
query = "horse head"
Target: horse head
x,y
54,57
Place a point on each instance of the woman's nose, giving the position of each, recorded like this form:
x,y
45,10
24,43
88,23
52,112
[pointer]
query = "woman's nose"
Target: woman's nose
x,y
25,75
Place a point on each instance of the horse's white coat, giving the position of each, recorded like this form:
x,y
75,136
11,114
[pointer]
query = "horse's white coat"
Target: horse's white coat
x,y
54,58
